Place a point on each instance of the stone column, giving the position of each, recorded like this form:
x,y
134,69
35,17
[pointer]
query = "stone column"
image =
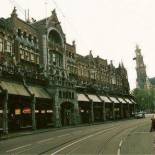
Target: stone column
x,y
33,104
5,113
57,118
113,110
76,114
128,110
57,121
92,111
45,53
121,110
134,108
104,111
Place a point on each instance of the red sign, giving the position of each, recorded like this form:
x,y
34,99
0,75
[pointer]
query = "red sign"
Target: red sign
x,y
26,111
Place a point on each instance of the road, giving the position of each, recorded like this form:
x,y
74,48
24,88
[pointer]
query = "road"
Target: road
x,y
122,137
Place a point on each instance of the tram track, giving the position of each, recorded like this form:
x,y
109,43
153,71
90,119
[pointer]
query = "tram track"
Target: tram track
x,y
90,139
89,135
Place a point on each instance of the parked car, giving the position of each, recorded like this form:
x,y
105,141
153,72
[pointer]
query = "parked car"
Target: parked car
x,y
140,114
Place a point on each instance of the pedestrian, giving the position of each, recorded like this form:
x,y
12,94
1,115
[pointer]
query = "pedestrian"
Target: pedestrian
x,y
153,123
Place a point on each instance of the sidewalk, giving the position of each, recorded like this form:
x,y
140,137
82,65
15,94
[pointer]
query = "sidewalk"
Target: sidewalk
x,y
141,141
30,132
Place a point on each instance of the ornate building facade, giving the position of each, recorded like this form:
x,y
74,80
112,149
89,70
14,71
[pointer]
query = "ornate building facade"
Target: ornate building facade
x,y
44,82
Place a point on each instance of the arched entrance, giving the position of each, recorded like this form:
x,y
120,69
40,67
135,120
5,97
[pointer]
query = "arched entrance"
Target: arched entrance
x,y
67,113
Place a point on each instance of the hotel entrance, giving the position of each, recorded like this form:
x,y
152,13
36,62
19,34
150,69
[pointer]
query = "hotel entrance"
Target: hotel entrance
x,y
67,110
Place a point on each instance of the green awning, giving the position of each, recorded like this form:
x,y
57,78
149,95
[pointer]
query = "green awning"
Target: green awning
x,y
39,92
14,88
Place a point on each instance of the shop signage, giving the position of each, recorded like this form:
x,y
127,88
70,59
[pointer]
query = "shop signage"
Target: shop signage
x,y
26,111
36,111
17,111
49,111
43,111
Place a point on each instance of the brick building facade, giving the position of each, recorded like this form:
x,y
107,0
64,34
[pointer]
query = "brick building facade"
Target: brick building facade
x,y
44,82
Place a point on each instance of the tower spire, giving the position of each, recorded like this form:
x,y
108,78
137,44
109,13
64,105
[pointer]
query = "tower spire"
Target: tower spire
x,y
140,68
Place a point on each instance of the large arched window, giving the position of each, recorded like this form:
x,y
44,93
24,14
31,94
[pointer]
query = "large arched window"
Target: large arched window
x,y
55,37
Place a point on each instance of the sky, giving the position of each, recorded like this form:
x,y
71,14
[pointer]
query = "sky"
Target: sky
x,y
110,28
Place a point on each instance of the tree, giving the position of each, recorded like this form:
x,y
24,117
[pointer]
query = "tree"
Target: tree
x,y
145,99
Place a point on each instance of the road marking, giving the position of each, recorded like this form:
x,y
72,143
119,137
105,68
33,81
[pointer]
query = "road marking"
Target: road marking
x,y
82,139
19,147
64,135
45,140
119,148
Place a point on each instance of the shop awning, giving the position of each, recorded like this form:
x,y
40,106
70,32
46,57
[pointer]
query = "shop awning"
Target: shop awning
x,y
128,101
94,98
105,99
133,101
82,98
121,100
39,92
114,99
14,88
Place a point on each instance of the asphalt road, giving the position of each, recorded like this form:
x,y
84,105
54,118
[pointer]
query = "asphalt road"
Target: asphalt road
x,y
123,137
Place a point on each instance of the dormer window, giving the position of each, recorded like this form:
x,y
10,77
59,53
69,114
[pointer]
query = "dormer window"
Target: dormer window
x,y
19,32
30,38
24,35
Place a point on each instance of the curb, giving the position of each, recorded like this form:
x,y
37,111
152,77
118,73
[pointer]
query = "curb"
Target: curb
x,y
20,134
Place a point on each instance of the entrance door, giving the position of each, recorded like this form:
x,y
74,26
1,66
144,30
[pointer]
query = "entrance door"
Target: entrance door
x,y
66,113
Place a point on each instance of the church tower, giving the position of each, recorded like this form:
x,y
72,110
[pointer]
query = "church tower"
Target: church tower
x,y
140,69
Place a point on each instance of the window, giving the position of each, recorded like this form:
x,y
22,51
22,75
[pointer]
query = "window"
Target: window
x,y
8,47
54,58
60,94
30,37
21,54
1,45
19,32
72,95
32,57
37,59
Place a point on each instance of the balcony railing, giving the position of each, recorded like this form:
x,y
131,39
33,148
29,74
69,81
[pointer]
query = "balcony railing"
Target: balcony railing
x,y
55,47
19,73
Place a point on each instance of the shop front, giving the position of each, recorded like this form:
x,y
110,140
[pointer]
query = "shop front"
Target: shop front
x,y
84,108
97,108
43,107
1,113
123,102
20,115
115,108
108,107
18,105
